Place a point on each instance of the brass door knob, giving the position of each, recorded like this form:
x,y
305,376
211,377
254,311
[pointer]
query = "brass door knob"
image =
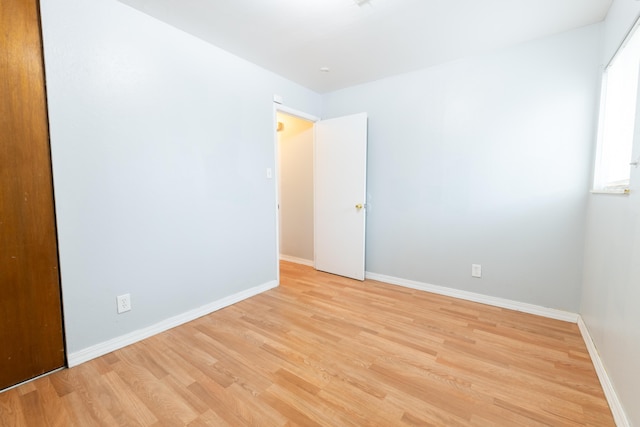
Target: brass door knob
x,y
359,206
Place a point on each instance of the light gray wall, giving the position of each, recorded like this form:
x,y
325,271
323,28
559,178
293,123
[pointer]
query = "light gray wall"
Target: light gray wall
x,y
611,288
484,160
160,143
295,150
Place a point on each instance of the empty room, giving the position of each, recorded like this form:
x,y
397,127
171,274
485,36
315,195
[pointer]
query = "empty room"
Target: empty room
x,y
319,213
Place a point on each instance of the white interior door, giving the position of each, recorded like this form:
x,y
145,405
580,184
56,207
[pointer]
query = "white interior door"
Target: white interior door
x,y
340,195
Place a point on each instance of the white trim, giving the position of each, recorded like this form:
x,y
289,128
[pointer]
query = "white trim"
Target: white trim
x,y
276,185
551,313
615,405
617,192
297,113
297,260
74,359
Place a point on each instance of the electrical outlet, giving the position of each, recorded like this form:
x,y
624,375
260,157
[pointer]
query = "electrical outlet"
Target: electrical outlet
x,y
124,303
476,270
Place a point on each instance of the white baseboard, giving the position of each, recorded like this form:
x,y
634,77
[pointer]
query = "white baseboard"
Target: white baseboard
x,y
484,299
78,357
612,398
296,260
619,415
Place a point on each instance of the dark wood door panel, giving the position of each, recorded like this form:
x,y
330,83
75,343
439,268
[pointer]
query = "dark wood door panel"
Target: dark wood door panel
x,y
30,308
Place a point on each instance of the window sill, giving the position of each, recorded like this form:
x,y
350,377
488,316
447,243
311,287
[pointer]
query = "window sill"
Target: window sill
x,y
613,192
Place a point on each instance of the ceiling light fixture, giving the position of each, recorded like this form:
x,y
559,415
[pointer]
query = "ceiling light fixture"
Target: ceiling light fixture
x,y
325,69
361,2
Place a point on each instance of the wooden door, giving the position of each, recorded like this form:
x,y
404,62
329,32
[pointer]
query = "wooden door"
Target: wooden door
x,y
340,189
31,339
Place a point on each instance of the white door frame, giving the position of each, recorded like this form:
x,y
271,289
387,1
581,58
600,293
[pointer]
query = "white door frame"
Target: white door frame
x,y
279,108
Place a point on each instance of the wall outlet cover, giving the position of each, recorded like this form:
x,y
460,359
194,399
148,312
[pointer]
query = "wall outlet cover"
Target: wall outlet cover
x,y
124,303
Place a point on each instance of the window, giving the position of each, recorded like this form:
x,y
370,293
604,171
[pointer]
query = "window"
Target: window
x,y
617,116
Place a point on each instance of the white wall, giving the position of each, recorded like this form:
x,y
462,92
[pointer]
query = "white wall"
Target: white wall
x,y
295,150
611,288
483,160
160,144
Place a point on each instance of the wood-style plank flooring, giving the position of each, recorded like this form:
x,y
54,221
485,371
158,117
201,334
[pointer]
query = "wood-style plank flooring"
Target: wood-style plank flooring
x,y
323,350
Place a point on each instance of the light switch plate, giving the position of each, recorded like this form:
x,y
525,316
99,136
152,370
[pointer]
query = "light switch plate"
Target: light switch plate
x,y
476,270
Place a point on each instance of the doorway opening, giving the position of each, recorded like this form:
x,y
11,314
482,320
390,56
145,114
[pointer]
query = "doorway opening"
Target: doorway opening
x,y
321,191
295,148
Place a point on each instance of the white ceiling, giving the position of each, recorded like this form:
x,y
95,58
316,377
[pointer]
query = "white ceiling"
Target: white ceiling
x,y
380,38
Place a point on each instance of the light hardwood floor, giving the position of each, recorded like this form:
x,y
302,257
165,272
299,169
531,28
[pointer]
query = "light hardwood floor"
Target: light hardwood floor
x,y
325,350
